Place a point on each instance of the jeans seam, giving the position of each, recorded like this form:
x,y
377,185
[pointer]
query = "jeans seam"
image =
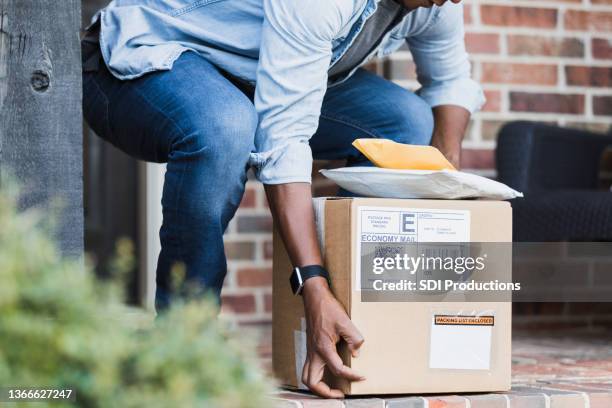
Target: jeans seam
x,y
180,183
106,105
348,122
191,7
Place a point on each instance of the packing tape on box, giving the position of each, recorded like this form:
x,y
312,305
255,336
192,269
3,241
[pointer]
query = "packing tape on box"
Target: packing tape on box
x,y
319,214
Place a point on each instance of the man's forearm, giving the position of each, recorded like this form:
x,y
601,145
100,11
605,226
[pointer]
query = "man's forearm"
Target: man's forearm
x,y
291,206
450,125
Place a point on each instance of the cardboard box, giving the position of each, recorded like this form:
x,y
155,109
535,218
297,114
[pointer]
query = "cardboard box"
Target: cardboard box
x,y
404,351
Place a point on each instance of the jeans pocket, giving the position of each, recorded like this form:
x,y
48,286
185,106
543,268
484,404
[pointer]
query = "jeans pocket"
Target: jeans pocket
x,y
96,106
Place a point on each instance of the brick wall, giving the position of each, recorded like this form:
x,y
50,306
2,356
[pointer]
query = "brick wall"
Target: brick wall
x,y
546,60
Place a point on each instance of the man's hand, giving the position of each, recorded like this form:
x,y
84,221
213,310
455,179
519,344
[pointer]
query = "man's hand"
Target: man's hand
x,y
327,324
450,125
327,321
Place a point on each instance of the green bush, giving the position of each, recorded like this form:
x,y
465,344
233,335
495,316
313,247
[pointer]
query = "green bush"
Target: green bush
x,y
60,327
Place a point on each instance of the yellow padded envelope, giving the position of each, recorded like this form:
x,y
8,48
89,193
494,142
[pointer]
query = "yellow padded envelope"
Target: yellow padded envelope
x,y
388,154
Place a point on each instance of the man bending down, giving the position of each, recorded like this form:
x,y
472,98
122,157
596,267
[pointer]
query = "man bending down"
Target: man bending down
x,y
213,87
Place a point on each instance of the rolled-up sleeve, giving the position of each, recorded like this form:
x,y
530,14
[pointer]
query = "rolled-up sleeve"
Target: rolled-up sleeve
x,y
443,66
295,54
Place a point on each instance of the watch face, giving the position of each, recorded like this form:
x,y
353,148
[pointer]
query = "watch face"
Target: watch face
x,y
296,281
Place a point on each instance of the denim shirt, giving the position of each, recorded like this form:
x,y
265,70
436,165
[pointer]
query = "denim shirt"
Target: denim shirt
x,y
285,48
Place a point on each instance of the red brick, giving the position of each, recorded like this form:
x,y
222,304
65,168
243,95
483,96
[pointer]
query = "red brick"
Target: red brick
x,y
254,223
493,101
280,403
602,105
239,304
268,249
527,401
240,250
552,326
546,103
254,277
482,43
490,129
303,400
602,48
545,46
591,127
249,198
467,14
405,402
534,74
590,308
364,403
477,159
588,76
600,400
487,401
268,302
518,16
447,402
588,20
539,309
567,401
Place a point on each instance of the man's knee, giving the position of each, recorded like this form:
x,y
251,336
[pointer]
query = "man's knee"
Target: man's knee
x,y
225,136
413,120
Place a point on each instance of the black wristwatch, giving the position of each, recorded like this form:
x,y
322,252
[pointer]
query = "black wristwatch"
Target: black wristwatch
x,y
302,274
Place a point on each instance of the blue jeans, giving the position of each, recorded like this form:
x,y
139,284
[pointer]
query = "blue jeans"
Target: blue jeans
x,y
202,122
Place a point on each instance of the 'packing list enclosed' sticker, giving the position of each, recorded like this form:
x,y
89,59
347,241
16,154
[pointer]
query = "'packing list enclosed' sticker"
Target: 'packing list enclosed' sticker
x,y
461,342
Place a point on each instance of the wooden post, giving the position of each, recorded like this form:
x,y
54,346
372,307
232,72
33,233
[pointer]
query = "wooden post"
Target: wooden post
x,y
40,109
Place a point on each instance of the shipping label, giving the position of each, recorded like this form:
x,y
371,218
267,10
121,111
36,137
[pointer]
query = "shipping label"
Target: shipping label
x,y
387,233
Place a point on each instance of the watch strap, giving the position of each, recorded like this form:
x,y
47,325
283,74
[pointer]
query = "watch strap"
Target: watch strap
x,y
301,274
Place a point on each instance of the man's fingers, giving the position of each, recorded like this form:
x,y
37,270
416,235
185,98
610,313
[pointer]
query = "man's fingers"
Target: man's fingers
x,y
323,390
316,368
352,336
305,371
336,366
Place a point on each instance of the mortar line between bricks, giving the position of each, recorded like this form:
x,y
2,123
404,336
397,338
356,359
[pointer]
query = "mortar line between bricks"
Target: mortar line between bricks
x,y
530,4
546,400
505,57
587,400
529,88
425,402
468,403
507,398
297,403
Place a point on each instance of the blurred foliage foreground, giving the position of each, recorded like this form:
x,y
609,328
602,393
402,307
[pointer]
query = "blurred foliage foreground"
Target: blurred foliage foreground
x,y
61,327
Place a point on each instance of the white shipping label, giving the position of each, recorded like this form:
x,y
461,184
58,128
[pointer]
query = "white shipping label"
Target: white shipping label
x,y
388,224
380,228
461,342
